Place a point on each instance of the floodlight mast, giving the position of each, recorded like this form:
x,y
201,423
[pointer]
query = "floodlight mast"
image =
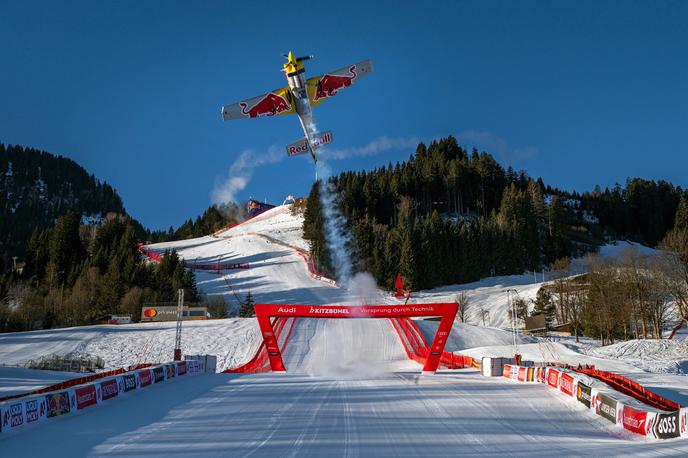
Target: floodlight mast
x,y
180,315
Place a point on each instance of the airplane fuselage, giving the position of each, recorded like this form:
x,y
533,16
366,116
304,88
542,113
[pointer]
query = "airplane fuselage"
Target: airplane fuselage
x,y
296,79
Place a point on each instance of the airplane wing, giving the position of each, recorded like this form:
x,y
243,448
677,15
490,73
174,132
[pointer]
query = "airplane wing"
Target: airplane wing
x,y
279,101
322,87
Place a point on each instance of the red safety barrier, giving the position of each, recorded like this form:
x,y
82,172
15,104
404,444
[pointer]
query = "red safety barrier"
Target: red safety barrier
x,y
260,361
217,266
631,388
416,346
678,326
67,384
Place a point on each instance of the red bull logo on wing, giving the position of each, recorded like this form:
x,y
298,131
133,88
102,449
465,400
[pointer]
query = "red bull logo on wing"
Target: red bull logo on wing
x,y
269,105
329,85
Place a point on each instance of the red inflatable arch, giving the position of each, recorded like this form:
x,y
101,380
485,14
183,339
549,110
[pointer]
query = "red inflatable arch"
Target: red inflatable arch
x,y
266,311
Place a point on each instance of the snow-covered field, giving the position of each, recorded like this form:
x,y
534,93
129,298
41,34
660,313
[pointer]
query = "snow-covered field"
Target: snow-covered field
x,y
350,389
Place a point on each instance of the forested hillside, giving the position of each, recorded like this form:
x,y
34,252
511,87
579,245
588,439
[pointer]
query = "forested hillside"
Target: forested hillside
x,y
37,187
449,216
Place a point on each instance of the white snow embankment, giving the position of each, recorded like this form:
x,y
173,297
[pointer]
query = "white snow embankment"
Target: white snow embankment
x,y
651,355
464,336
234,341
17,380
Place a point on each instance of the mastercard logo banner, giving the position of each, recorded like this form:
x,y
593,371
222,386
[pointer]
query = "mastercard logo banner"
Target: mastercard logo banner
x,y
150,313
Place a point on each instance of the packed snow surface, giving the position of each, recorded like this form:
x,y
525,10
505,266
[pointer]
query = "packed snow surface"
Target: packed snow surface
x,y
403,414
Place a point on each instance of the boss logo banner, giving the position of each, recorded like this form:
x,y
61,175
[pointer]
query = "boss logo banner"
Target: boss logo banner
x,y
584,394
17,414
57,404
159,374
108,389
31,410
606,407
666,425
85,396
129,382
144,378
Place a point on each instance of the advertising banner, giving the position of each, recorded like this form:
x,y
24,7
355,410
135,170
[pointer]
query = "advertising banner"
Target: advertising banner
x,y
158,374
684,422
16,414
634,420
255,207
57,404
553,378
129,382
606,407
566,384
169,368
144,378
540,374
4,418
85,396
32,407
522,374
108,389
666,425
584,394
181,368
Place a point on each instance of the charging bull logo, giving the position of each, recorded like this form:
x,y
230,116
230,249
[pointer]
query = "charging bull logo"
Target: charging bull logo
x,y
269,105
329,85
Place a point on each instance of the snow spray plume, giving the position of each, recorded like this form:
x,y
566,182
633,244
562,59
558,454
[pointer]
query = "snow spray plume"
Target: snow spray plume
x,y
338,237
241,172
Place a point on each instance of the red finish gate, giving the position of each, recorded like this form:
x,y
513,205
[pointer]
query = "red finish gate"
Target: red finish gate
x,y
446,310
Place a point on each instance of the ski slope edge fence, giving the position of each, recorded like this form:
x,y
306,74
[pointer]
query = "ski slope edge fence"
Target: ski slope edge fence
x,y
36,408
645,422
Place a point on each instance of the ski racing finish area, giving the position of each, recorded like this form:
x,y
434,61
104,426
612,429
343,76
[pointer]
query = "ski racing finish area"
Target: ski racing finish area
x,y
320,372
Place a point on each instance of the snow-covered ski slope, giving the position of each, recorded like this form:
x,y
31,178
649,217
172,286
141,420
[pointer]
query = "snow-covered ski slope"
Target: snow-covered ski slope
x,y
350,390
449,414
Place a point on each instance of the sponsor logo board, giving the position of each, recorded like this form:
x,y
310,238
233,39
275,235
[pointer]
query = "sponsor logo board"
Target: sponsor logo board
x,y
108,389
606,407
158,374
85,396
634,420
129,382
181,368
57,404
16,414
584,394
566,384
144,378
666,425
31,410
553,378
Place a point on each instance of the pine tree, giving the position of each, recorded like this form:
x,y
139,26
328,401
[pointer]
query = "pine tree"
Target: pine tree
x,y
681,218
247,309
543,304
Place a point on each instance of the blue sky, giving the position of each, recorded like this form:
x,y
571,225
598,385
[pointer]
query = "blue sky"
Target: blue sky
x,y
580,93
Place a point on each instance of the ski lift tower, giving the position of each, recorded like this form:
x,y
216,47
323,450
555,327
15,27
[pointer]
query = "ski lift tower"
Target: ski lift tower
x,y
180,315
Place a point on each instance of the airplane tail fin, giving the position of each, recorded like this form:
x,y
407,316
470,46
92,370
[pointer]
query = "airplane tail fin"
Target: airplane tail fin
x,y
303,146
